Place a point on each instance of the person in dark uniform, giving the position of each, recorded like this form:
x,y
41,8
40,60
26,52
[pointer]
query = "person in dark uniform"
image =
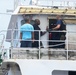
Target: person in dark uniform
x,y
36,34
56,35
58,26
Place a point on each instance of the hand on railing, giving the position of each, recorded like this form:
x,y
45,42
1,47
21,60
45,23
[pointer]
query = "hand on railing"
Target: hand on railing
x,y
47,28
33,40
20,40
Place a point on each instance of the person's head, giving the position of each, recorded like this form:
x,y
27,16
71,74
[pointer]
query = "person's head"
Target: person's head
x,y
58,16
37,21
27,20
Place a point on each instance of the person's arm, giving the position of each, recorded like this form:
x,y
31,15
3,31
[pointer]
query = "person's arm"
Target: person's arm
x,y
58,24
32,33
57,27
33,36
42,33
20,36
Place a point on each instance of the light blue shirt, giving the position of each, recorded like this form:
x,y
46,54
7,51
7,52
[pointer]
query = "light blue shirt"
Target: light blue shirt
x,y
26,31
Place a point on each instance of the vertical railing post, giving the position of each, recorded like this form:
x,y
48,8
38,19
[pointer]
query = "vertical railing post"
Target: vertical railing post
x,y
8,53
39,43
16,3
67,45
12,40
52,3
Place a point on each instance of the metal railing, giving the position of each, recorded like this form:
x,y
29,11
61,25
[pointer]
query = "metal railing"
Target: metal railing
x,y
48,3
2,37
57,3
48,52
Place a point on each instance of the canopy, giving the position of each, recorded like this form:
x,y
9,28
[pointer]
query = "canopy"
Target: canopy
x,y
45,10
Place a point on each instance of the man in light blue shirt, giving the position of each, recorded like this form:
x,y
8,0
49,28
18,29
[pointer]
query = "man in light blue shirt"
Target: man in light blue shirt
x,y
26,34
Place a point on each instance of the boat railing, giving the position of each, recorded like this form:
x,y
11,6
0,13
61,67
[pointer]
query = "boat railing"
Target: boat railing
x,y
49,51
2,37
56,3
47,3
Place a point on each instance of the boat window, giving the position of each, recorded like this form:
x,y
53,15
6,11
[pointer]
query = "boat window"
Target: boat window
x,y
72,73
63,72
59,72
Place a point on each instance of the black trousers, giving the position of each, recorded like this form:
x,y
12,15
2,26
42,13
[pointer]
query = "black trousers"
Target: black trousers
x,y
26,44
36,44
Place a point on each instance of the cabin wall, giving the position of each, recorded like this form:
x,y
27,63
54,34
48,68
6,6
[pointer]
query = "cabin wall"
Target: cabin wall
x,y
71,35
19,25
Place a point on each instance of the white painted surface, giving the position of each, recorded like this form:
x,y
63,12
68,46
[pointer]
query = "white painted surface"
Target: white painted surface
x,y
71,36
10,72
19,25
44,67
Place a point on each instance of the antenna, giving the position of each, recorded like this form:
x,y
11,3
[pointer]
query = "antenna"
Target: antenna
x,y
33,2
30,2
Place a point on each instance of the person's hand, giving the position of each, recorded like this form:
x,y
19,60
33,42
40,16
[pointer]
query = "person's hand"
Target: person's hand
x,y
33,40
20,40
52,29
47,28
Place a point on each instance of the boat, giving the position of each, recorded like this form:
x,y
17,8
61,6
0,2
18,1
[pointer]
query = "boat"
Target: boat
x,y
49,60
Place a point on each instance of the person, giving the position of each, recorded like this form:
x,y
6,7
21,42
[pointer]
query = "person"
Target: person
x,y
58,23
57,27
26,34
56,35
36,34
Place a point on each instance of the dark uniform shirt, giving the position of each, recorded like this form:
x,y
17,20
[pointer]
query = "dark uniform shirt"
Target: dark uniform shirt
x,y
36,33
58,22
36,36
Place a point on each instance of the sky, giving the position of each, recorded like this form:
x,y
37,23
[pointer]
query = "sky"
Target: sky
x,y
5,16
